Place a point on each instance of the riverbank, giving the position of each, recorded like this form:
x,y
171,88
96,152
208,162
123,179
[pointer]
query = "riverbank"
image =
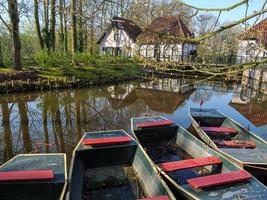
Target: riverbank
x,y
37,78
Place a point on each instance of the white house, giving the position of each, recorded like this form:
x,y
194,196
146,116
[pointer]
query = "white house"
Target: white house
x,y
124,37
252,43
119,38
162,40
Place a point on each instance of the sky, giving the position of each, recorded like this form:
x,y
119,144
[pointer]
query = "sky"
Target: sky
x,y
237,13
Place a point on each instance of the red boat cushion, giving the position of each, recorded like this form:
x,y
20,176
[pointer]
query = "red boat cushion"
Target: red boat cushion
x,y
32,175
219,129
157,198
107,140
219,179
236,143
153,124
190,163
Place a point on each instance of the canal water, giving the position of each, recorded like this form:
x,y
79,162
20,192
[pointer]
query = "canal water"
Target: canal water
x,y
55,121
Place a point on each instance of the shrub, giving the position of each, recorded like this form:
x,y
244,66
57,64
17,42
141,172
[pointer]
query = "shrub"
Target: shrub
x,y
47,59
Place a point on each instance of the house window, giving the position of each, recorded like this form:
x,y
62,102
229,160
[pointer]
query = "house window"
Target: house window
x,y
116,37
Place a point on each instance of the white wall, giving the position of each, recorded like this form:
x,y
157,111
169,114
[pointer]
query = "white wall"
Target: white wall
x,y
124,41
167,52
246,51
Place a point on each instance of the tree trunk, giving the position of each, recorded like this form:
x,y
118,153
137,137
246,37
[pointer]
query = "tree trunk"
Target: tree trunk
x,y
53,25
61,26
24,126
92,37
80,27
14,19
7,130
73,25
1,56
37,24
46,24
65,28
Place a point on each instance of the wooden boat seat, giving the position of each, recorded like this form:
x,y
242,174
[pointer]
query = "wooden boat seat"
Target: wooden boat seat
x,y
190,163
107,140
236,144
219,179
154,124
165,197
32,175
219,129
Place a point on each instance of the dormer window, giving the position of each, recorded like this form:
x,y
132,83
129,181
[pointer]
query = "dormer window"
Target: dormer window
x,y
116,37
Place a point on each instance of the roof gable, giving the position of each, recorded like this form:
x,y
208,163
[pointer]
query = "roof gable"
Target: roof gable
x,y
258,32
164,26
132,29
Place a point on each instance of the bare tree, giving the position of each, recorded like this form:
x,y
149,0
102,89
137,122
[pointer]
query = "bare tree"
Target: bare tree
x,y
14,18
37,24
73,25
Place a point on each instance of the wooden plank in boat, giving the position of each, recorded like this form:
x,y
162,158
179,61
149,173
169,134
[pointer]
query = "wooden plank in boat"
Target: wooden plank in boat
x,y
219,129
107,140
29,175
154,123
165,197
219,179
190,163
236,144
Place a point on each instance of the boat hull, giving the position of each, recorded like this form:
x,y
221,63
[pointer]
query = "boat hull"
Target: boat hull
x,y
259,170
252,189
32,190
87,159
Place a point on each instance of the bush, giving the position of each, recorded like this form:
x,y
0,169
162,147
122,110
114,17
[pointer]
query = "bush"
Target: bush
x,y
47,59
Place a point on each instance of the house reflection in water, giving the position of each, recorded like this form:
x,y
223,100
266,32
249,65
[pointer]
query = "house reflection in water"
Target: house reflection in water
x,y
254,84
256,113
164,95
251,100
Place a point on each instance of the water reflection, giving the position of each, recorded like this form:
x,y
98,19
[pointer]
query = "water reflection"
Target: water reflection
x,y
55,121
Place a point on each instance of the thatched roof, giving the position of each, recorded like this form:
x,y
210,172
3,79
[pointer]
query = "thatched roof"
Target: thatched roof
x,y
254,112
132,29
162,28
258,32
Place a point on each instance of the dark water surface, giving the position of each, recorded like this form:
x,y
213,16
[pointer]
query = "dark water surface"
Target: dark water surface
x,y
55,121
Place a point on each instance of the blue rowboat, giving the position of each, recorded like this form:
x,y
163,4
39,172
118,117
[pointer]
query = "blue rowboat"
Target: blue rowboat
x,y
110,165
232,140
191,168
34,177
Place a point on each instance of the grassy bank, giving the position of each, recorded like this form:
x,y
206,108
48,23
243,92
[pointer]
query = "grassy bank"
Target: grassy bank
x,y
80,66
57,71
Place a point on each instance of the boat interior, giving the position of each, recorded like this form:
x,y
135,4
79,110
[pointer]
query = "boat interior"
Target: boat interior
x,y
223,131
185,159
117,170
32,177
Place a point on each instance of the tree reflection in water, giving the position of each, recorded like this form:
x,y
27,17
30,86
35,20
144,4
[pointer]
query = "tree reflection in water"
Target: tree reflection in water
x,y
55,121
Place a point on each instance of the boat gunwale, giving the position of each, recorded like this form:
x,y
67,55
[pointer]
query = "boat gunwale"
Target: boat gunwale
x,y
62,195
219,149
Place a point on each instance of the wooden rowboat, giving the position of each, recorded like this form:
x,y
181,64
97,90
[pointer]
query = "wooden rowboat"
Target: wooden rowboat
x,y
34,177
110,165
190,167
232,140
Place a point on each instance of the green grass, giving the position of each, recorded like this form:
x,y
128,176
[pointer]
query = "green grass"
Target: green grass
x,y
90,72
58,65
